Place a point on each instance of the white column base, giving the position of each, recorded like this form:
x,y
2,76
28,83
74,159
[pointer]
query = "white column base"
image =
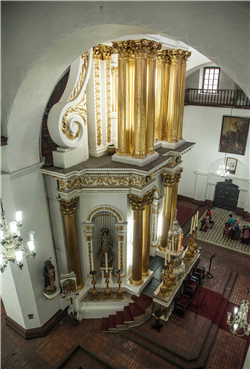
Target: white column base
x,y
98,151
134,161
172,145
65,158
136,290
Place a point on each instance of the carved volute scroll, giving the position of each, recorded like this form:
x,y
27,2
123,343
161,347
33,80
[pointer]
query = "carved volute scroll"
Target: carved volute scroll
x,y
68,118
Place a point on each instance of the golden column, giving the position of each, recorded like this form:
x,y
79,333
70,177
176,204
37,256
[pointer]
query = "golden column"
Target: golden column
x,y
165,96
146,233
68,210
138,205
123,98
140,50
158,101
154,47
169,182
185,56
177,178
173,107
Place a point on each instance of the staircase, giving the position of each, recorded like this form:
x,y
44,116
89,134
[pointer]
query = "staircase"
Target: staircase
x,y
132,315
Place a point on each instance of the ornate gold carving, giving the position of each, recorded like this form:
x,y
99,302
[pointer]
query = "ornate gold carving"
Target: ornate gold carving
x,y
108,98
104,208
88,228
176,56
121,254
81,77
79,109
120,238
68,208
89,238
121,228
122,180
98,102
171,179
102,52
138,203
114,72
122,47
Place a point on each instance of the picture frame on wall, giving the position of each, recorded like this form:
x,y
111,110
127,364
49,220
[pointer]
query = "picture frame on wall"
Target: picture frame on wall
x,y
231,164
233,138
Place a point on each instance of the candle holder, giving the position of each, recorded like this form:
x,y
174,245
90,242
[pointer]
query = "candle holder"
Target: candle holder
x,y
119,292
94,293
163,289
171,276
107,292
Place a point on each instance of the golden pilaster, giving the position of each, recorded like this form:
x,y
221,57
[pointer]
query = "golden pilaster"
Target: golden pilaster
x,y
185,56
131,95
169,182
151,97
123,98
173,107
114,73
68,210
177,178
140,49
146,234
138,205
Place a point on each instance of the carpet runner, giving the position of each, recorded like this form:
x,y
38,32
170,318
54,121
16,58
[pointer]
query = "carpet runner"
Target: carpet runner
x,y
184,212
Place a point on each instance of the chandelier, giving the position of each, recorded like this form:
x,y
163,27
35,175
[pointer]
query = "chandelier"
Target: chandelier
x,y
12,241
223,171
238,322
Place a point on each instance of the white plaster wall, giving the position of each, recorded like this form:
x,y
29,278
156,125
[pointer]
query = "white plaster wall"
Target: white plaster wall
x,y
27,193
203,126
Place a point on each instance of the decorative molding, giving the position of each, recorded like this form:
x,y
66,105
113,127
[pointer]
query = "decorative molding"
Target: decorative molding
x,y
79,84
39,331
108,98
22,172
79,109
111,209
97,84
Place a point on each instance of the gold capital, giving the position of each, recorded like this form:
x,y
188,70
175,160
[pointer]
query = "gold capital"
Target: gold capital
x,y
102,52
176,56
68,208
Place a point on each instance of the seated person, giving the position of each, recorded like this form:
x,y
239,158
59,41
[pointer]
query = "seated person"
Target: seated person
x,y
205,221
235,231
231,220
246,235
209,213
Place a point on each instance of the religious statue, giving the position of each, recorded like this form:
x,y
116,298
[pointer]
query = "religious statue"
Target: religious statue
x,y
106,247
49,276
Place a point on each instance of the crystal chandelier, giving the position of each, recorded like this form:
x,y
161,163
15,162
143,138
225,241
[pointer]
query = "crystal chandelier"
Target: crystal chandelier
x,y
12,241
223,171
238,322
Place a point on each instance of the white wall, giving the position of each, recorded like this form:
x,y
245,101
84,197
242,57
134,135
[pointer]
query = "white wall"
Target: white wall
x,y
203,126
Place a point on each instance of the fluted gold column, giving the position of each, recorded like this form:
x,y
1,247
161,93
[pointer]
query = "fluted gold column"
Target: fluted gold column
x,y
173,107
146,233
114,72
165,97
138,205
158,101
185,56
131,95
123,98
68,210
169,182
140,49
177,177
154,47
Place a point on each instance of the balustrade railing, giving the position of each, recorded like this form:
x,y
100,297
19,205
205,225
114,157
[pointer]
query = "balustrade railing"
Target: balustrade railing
x,y
223,98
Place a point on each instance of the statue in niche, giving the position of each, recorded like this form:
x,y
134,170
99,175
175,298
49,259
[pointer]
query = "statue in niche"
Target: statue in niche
x,y
49,276
106,247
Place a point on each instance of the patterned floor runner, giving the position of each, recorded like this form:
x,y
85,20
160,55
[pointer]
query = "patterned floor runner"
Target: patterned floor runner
x,y
215,234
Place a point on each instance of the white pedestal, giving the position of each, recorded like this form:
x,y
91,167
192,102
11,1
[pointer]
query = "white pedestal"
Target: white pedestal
x,y
134,161
172,145
65,158
136,290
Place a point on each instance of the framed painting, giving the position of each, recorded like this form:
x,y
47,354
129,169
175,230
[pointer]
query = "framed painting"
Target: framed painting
x,y
233,138
231,164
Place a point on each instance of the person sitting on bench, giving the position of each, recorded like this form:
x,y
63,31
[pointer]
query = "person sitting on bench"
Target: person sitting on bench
x,y
205,221
209,214
231,220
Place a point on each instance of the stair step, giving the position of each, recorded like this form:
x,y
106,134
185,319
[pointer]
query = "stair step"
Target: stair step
x,y
220,314
127,316
230,285
135,310
104,327
142,303
112,323
171,357
224,281
119,318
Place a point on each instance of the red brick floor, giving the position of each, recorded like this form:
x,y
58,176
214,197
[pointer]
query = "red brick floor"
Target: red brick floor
x,y
47,352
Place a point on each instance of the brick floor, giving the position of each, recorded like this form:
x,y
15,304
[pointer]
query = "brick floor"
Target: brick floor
x,y
47,352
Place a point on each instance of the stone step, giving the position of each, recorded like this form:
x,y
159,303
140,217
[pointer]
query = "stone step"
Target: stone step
x,y
135,310
112,323
225,281
104,327
230,284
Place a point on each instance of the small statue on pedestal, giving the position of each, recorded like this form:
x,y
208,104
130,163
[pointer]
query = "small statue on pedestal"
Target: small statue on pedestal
x,y
49,276
106,247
